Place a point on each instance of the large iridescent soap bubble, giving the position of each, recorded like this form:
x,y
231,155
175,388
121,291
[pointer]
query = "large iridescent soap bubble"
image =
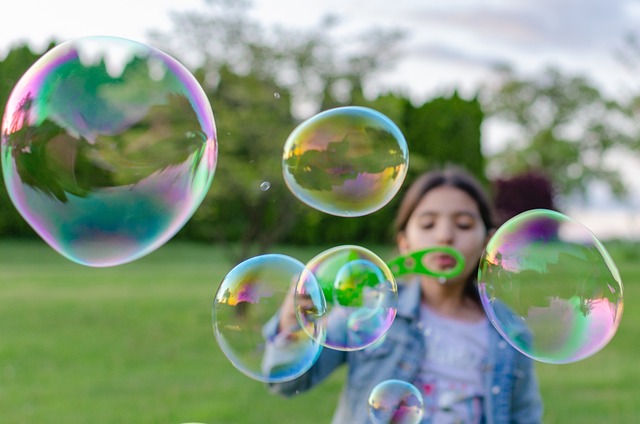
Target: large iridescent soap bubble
x,y
348,161
550,287
361,296
108,148
246,308
395,402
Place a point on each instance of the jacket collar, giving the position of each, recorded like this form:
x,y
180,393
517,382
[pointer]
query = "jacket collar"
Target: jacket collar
x,y
409,298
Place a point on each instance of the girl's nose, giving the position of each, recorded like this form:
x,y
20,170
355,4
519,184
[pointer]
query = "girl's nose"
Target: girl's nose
x,y
444,233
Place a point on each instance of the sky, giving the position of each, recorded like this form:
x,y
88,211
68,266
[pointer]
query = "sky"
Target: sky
x,y
453,44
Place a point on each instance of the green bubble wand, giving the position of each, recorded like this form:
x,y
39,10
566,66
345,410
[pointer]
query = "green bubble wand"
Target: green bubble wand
x,y
412,263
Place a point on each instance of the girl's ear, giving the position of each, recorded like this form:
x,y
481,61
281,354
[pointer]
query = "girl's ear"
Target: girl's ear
x,y
403,244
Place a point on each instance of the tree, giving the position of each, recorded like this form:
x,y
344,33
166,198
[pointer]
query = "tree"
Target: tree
x,y
248,201
520,193
316,65
12,67
566,129
259,80
261,83
446,130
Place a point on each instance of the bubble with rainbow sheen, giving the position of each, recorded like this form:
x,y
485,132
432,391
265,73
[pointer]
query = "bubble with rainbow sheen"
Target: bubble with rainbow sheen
x,y
348,161
395,402
108,148
245,318
361,297
550,287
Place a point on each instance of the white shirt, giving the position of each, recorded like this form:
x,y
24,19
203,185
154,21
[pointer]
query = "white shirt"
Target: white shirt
x,y
451,374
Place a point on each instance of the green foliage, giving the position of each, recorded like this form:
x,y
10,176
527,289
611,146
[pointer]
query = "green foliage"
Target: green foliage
x,y
438,132
565,128
248,200
260,82
17,61
445,130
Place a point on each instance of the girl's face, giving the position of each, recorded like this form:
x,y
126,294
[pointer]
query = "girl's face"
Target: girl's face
x,y
446,216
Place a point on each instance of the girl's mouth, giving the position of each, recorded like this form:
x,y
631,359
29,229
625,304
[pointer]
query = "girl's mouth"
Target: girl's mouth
x,y
444,261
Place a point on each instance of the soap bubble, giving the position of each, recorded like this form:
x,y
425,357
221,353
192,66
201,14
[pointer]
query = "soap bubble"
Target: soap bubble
x,y
265,185
108,148
348,161
397,402
245,311
361,296
550,287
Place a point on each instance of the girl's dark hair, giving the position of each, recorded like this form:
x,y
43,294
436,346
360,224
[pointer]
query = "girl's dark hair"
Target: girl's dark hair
x,y
450,176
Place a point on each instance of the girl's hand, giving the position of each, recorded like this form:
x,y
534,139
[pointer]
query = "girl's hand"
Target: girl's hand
x,y
288,319
296,303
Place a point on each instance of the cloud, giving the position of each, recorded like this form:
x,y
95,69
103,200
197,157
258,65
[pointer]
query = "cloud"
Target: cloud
x,y
579,36
532,24
456,56
579,23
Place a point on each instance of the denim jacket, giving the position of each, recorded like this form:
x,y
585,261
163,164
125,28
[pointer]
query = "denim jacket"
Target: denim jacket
x,y
510,385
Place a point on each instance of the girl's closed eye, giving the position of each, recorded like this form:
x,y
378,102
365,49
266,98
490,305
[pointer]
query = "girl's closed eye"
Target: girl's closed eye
x,y
427,222
465,222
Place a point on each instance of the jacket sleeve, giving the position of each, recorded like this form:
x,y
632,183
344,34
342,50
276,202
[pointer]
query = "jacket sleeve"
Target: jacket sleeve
x,y
327,361
526,401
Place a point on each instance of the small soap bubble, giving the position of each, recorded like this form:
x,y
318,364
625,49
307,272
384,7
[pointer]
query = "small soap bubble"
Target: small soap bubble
x,y
244,310
108,148
395,402
550,288
348,161
265,185
361,296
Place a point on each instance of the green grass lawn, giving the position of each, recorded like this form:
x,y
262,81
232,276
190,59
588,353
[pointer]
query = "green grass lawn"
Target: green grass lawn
x,y
133,344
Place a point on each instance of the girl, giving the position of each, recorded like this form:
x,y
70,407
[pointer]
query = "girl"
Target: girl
x,y
440,341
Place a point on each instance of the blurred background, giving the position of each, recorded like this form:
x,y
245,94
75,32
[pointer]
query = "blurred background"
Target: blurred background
x,y
535,97
539,99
